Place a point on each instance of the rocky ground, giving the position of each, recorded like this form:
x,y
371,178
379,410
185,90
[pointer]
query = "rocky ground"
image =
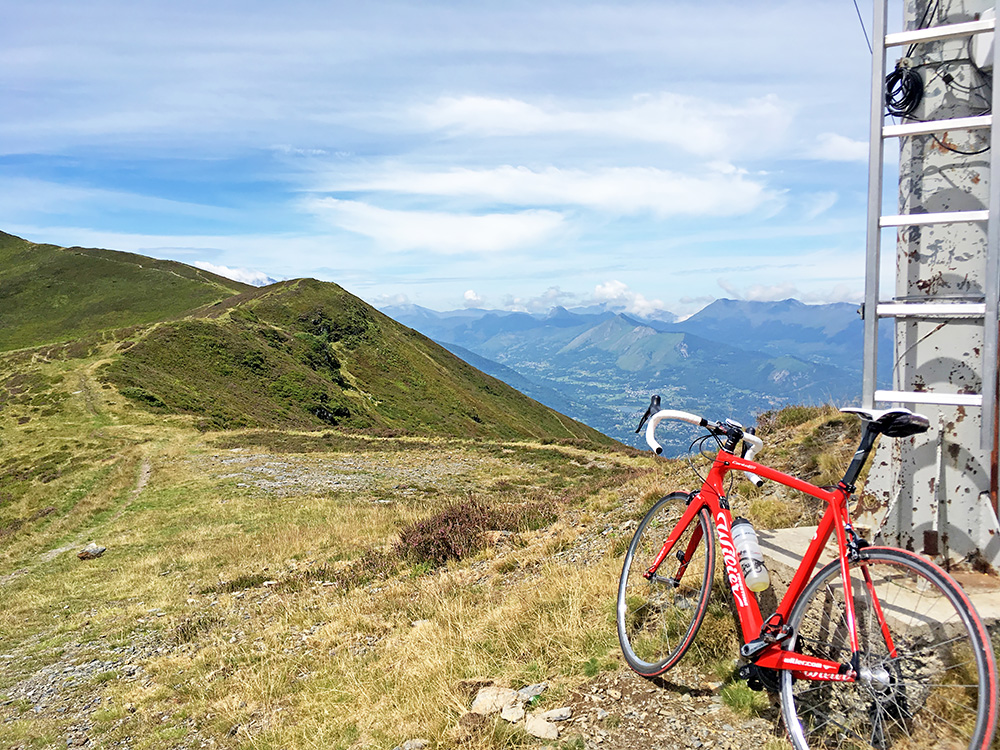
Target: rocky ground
x,y
615,711
621,711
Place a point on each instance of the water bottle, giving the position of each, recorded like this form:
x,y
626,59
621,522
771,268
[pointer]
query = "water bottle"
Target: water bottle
x,y
751,558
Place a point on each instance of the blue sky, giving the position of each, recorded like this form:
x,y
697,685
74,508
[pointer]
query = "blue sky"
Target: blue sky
x,y
499,154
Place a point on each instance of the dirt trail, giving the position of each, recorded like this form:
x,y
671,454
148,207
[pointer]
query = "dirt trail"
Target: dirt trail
x,y
145,472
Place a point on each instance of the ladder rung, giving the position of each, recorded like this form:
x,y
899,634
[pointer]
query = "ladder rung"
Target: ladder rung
x,y
937,126
923,397
939,32
931,309
945,217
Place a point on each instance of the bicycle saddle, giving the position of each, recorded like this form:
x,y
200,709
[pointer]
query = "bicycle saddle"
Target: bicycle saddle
x,y
893,423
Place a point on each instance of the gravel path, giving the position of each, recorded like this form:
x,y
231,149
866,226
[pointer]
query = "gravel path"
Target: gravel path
x,y
622,711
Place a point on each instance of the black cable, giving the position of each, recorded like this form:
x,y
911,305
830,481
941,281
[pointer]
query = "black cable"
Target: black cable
x,y
697,450
904,88
946,147
863,29
903,91
699,442
923,19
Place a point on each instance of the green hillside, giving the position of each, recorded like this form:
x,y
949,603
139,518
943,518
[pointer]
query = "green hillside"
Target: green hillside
x,y
306,353
51,294
301,354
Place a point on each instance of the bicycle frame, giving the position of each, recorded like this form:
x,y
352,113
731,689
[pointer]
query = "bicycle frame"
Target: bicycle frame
x,y
767,635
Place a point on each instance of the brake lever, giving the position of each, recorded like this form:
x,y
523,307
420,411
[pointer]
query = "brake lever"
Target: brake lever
x,y
654,406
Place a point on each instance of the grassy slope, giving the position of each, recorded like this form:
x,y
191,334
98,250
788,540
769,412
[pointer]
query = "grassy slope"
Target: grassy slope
x,y
308,354
51,294
207,618
301,354
212,658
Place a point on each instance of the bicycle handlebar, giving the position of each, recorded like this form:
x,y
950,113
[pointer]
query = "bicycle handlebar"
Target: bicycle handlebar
x,y
753,443
659,416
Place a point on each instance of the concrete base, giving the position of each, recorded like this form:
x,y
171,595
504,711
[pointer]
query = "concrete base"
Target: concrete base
x,y
783,550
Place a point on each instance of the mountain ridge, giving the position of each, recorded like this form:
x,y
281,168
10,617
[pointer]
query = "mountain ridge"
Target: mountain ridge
x,y
301,354
52,294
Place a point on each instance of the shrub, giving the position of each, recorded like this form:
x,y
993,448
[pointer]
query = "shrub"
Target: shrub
x,y
453,534
458,531
143,396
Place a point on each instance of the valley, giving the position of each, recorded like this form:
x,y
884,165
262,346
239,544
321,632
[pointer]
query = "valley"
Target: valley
x,y
732,359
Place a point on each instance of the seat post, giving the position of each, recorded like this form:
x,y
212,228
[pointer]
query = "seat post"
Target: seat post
x,y
868,434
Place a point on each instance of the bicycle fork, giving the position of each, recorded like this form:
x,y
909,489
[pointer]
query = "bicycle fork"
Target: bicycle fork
x,y
684,558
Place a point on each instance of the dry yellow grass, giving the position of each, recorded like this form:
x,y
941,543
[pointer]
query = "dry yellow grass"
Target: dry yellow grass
x,y
285,661
216,587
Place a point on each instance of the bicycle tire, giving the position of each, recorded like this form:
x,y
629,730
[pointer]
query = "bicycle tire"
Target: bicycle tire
x,y
657,621
939,691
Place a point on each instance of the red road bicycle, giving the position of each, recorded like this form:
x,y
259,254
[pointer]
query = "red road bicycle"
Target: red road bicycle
x,y
880,648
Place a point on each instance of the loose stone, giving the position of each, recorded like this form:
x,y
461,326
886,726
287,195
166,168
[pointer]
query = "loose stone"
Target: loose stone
x,y
490,700
536,726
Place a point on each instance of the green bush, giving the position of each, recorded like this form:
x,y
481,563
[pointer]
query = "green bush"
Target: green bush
x,y
143,396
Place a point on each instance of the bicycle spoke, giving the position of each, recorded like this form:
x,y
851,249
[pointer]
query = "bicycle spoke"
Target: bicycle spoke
x,y
924,697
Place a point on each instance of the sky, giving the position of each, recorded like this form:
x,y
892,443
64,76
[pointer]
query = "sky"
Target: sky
x,y
516,155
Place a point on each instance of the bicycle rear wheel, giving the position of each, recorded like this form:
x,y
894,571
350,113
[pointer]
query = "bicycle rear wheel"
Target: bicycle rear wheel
x,y
659,616
938,690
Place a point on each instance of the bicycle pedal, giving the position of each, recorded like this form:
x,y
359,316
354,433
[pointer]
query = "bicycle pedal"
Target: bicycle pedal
x,y
783,634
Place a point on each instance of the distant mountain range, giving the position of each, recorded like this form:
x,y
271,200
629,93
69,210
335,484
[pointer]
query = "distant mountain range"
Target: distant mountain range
x,y
733,359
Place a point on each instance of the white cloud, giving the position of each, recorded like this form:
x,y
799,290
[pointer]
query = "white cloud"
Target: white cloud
x,y
389,300
820,293
20,197
284,256
487,116
818,204
436,231
551,297
289,150
706,127
759,292
833,147
471,299
618,294
509,124
244,275
719,189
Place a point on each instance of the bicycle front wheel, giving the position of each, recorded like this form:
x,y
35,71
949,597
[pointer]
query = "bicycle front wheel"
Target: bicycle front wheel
x,y
659,614
927,677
